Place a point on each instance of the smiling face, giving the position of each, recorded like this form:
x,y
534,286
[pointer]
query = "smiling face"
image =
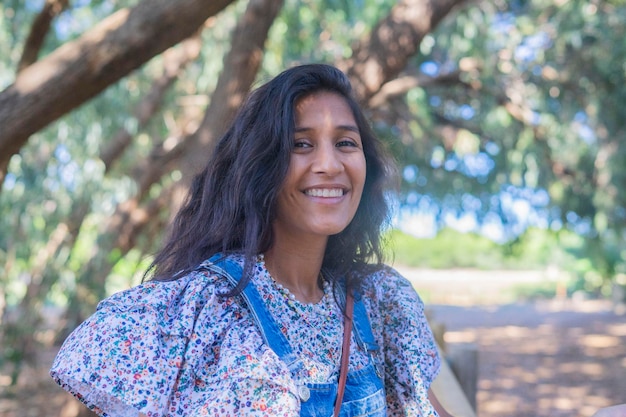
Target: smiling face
x,y
326,175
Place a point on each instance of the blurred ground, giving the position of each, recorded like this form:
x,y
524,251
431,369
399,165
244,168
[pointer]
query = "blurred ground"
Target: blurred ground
x,y
546,359
543,358
549,357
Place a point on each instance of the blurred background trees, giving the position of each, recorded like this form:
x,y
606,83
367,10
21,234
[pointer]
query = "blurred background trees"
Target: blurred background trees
x,y
506,119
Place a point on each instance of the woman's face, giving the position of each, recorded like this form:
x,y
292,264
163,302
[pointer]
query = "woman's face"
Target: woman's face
x,y
326,175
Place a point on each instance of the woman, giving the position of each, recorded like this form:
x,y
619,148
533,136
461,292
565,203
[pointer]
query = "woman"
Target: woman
x,y
291,205
245,312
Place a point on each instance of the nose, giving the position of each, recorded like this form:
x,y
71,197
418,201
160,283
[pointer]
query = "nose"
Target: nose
x,y
327,160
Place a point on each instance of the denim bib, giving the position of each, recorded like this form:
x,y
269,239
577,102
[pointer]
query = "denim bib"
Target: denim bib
x,y
364,393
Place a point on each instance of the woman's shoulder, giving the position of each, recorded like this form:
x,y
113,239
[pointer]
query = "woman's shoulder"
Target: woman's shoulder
x,y
399,323
167,344
380,271
194,283
174,305
384,280
387,291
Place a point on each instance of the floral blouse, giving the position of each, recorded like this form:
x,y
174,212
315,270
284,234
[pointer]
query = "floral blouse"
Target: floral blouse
x,y
180,348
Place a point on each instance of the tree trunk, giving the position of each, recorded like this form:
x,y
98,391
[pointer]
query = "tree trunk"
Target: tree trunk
x,y
120,234
395,39
241,65
174,62
44,274
81,69
131,217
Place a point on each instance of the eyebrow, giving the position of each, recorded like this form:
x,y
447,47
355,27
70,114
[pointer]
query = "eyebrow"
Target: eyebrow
x,y
351,128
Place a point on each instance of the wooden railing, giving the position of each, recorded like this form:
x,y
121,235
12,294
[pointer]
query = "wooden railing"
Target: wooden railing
x,y
457,383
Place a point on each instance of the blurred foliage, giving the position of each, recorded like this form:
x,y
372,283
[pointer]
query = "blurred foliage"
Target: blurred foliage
x,y
539,117
535,249
449,249
563,255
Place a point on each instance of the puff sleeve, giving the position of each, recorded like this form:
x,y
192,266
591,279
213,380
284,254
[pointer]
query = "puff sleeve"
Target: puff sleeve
x,y
409,352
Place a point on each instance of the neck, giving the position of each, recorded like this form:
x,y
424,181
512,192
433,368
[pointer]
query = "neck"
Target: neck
x,y
297,267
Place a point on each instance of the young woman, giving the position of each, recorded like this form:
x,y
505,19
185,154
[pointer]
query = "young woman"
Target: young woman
x,y
244,311
270,297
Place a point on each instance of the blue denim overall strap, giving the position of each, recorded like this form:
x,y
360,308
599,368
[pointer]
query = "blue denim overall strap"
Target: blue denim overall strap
x,y
363,333
364,394
270,331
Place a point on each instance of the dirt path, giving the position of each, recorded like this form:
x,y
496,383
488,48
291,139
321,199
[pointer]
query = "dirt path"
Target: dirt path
x,y
545,359
549,358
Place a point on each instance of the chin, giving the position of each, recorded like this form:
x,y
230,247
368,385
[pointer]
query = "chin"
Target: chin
x,y
333,230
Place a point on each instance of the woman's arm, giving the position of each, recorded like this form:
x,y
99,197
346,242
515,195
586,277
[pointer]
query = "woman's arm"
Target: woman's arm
x,y
443,413
615,411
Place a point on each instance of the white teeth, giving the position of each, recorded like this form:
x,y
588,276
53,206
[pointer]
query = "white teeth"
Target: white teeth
x,y
325,192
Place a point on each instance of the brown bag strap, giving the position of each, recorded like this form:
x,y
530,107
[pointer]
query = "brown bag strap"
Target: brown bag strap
x,y
345,352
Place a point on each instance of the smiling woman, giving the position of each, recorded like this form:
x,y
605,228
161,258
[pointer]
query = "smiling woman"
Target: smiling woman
x,y
269,297
323,187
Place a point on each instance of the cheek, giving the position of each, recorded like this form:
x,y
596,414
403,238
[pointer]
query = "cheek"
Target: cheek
x,y
361,173
359,181
293,176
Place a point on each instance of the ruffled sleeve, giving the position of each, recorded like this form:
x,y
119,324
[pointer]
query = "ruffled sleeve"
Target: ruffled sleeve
x,y
409,352
174,349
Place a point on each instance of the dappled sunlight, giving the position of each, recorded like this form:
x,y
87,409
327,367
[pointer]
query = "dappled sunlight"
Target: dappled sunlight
x,y
460,337
543,359
498,405
589,369
599,341
617,329
516,332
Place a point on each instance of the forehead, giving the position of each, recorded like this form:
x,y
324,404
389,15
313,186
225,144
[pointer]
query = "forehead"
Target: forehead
x,y
323,105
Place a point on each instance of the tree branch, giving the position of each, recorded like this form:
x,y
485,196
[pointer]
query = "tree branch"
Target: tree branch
x,y
39,30
174,61
134,215
79,70
241,65
393,41
401,85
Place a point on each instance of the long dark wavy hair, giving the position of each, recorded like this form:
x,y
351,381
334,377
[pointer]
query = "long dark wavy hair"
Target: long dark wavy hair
x,y
232,202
